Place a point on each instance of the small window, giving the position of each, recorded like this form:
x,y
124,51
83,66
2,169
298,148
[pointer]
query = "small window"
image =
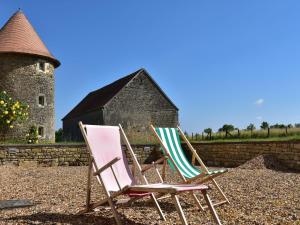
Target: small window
x,y
42,66
41,131
41,101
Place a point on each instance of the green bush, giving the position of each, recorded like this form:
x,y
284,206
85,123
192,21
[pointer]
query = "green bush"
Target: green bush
x,y
11,113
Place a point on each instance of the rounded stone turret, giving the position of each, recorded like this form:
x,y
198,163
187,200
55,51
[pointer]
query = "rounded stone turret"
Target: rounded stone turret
x,y
27,75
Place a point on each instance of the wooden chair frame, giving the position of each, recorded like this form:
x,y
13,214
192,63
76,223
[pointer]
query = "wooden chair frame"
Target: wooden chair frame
x,y
201,178
110,196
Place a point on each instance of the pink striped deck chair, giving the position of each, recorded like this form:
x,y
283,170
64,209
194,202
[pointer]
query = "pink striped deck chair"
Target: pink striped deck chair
x,y
110,166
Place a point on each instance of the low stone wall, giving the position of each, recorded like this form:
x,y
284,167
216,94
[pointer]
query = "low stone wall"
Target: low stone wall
x,y
213,154
63,154
234,154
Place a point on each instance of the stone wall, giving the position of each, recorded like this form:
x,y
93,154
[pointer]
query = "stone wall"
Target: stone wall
x,y
213,154
139,104
234,154
63,154
23,81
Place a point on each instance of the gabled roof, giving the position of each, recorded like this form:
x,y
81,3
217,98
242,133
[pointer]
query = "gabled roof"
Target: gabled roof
x,y
99,98
18,36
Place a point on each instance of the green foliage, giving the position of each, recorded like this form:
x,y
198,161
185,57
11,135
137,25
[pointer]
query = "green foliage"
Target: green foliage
x,y
251,127
208,131
33,136
264,125
227,128
59,135
278,126
11,112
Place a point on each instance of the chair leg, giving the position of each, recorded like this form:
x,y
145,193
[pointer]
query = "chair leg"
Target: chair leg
x,y
179,209
220,190
114,211
161,214
202,208
211,207
88,194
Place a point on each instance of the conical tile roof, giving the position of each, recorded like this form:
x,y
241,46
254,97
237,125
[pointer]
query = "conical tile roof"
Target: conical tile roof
x,y
18,36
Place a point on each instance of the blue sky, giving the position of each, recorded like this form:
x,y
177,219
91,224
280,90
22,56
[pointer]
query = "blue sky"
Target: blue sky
x,y
234,62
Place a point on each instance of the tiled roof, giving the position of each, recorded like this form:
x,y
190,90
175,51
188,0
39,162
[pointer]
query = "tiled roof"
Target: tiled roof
x,y
18,36
100,97
97,99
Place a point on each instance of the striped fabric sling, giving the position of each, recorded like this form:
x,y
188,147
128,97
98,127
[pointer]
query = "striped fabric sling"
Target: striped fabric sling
x,y
170,138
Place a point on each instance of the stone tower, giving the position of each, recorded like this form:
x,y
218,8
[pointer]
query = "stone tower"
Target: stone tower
x,y
27,75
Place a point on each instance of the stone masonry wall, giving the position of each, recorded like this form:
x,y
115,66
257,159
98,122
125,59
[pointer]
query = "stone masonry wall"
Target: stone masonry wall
x,y
63,154
213,154
21,79
235,154
138,105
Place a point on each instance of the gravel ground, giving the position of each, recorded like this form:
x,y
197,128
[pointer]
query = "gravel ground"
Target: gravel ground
x,y
258,196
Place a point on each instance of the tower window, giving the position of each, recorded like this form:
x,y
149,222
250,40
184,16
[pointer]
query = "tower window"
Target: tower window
x,y
41,101
42,66
41,131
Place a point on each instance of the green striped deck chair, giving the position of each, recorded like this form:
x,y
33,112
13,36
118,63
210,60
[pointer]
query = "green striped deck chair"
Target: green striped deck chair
x,y
169,139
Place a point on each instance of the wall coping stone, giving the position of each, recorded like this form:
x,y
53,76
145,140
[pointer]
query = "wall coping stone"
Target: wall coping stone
x,y
245,142
65,145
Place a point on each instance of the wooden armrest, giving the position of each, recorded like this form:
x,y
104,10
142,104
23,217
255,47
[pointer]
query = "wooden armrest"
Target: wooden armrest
x,y
106,166
154,163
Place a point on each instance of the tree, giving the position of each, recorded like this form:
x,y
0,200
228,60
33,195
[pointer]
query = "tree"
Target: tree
x,y
11,113
208,131
59,135
297,125
289,126
227,128
264,125
278,126
251,127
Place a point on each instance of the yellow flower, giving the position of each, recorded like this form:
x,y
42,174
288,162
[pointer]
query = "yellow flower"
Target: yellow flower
x,y
1,102
5,112
8,121
11,126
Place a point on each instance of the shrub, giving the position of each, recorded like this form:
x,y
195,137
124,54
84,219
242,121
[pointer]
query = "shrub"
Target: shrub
x,y
11,112
59,135
33,135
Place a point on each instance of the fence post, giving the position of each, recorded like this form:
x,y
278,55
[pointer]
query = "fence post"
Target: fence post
x,y
268,131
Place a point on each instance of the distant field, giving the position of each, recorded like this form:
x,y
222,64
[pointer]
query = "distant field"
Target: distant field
x,y
245,135
289,134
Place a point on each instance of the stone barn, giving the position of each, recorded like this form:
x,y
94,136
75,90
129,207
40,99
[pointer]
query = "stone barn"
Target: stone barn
x,y
27,74
135,101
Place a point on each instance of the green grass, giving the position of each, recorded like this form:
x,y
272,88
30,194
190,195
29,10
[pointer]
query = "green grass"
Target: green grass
x,y
256,135
287,138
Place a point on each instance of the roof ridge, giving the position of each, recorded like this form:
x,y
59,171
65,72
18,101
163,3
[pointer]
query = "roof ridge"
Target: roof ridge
x,y
101,96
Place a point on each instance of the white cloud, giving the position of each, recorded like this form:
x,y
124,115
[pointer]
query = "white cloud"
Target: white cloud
x,y
259,101
259,118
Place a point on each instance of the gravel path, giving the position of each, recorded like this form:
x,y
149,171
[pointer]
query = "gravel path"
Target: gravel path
x,y
259,196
